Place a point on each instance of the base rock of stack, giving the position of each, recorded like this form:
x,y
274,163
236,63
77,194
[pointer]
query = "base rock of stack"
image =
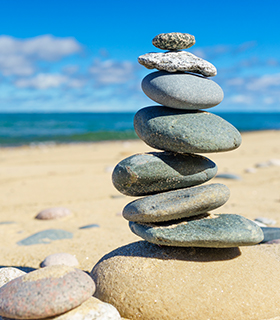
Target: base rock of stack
x,y
155,172
185,131
208,230
145,281
177,204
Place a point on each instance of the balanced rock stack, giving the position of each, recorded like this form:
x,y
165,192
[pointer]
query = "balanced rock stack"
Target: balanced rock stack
x,y
190,266
181,129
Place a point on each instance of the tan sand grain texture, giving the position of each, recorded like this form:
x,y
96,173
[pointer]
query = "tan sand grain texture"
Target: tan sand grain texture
x,y
78,177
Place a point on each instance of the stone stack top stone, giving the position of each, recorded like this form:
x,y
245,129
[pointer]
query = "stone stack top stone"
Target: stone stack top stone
x,y
173,41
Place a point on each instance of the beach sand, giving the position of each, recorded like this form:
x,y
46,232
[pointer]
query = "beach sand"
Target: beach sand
x,y
78,177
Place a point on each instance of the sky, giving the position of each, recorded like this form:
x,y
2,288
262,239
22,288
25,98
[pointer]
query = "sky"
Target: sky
x,y
81,55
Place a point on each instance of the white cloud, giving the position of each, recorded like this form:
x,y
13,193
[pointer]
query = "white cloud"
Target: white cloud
x,y
240,99
18,56
112,72
264,82
42,81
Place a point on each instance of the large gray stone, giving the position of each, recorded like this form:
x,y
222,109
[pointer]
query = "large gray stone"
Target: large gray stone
x,y
182,90
154,172
213,231
173,41
177,204
185,131
146,281
177,61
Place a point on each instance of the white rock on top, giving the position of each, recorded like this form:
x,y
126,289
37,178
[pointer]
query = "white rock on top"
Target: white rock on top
x,y
177,61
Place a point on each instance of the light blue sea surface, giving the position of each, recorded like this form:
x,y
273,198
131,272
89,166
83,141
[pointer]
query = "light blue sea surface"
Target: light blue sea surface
x,y
27,128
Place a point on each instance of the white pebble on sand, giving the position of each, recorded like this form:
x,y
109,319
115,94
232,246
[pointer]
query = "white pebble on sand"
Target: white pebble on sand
x,y
8,274
53,213
265,221
62,258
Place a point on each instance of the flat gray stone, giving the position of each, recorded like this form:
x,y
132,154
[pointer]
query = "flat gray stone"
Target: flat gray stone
x,y
177,61
185,131
182,90
214,231
173,41
45,293
154,172
177,204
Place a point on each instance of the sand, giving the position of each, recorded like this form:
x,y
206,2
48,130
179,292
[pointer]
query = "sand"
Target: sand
x,y
78,177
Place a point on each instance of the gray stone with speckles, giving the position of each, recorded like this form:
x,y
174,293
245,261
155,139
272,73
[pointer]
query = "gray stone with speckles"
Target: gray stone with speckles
x,y
213,231
154,172
185,131
177,61
45,293
177,204
182,90
173,41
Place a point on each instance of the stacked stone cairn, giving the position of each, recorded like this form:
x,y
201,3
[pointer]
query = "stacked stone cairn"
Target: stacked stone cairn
x,y
175,210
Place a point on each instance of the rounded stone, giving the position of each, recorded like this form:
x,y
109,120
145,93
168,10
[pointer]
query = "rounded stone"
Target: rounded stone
x,y
45,292
53,213
145,281
9,273
173,41
211,231
185,131
154,172
92,309
182,90
62,258
177,204
177,61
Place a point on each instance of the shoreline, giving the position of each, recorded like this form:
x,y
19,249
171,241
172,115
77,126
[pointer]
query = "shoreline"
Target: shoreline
x,y
78,176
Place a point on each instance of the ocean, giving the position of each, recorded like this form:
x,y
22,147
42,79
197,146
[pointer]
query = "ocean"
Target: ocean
x,y
36,128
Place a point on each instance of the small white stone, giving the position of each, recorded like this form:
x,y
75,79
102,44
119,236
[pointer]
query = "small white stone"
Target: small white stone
x,y
53,213
260,224
63,258
274,162
250,170
8,274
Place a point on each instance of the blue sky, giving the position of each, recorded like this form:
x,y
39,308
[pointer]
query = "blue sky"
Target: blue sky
x,y
69,55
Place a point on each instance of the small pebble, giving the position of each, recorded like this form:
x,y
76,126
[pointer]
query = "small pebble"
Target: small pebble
x,y
173,41
260,224
45,237
228,176
8,274
45,293
274,162
53,213
265,221
250,170
270,234
94,225
62,258
262,165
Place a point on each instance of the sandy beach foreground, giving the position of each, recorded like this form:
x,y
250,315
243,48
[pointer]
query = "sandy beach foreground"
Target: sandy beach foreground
x,y
78,177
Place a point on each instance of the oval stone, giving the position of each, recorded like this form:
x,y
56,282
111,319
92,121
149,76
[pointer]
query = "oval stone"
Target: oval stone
x,y
177,204
145,281
211,231
45,292
62,258
185,131
154,172
173,41
53,213
182,90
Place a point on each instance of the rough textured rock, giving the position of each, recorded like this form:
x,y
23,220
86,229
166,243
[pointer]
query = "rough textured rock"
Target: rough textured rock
x,y
44,293
45,237
185,131
145,281
177,204
177,61
211,230
61,258
182,90
53,213
155,172
9,273
173,41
